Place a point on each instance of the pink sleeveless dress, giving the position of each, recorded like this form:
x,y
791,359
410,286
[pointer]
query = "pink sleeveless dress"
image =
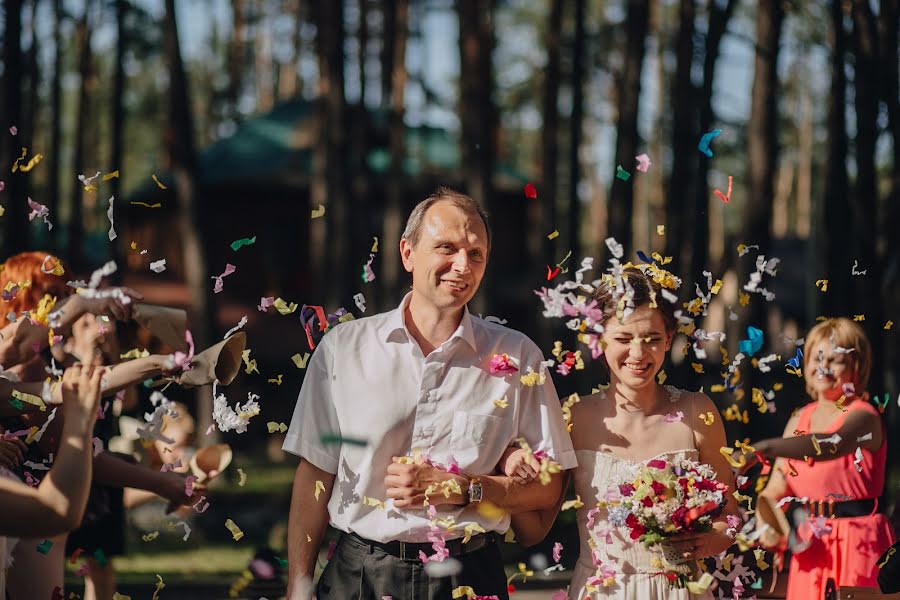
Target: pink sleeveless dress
x,y
849,553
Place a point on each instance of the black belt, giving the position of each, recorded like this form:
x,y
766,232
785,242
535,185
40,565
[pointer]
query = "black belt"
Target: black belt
x,y
841,510
410,550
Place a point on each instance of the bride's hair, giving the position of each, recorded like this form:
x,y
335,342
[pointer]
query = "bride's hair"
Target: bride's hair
x,y
635,288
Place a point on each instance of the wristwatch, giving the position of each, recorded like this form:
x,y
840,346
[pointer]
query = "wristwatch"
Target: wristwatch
x,y
475,490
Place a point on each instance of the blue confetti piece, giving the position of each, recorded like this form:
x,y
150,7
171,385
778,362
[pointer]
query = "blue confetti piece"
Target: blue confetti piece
x,y
703,146
795,362
752,345
644,257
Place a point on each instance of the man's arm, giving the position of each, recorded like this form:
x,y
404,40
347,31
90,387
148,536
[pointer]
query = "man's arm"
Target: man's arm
x,y
306,527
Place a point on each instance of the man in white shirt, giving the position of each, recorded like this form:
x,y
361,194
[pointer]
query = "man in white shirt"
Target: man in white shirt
x,y
418,385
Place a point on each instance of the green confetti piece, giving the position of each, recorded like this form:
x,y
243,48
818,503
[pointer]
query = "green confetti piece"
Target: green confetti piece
x,y
44,547
100,557
281,561
236,244
622,173
757,585
334,438
16,402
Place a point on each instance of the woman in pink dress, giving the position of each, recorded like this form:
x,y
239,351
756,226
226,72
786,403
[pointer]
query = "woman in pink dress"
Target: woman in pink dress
x,y
832,460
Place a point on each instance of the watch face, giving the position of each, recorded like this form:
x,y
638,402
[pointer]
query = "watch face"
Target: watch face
x,y
475,492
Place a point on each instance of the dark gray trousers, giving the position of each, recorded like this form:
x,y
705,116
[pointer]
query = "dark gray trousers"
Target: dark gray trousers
x,y
359,572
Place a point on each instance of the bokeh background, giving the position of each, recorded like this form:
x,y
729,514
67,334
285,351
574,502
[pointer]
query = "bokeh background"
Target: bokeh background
x,y
229,120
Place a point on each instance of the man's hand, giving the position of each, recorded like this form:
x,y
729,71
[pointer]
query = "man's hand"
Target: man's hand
x,y
174,489
407,484
107,306
12,453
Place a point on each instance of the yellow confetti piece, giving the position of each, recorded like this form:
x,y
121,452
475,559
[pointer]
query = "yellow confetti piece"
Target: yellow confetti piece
x,y
510,536
822,284
274,426
502,403
155,205
567,409
320,487
111,175
531,379
471,529
283,307
318,212
300,361
490,511
888,325
708,418
553,235
159,586
158,182
276,380
135,353
2,211
30,399
243,476
576,503
236,532
716,286
701,585
660,230
150,536
859,318
31,163
118,596
463,591
373,502
375,245
661,377
759,553
744,298
816,445
698,368
250,364
739,463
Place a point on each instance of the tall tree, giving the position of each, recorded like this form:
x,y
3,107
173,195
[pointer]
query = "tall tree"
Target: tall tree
x,y
264,66
15,238
477,111
393,218
32,99
865,207
74,250
684,131
836,203
363,48
53,187
542,214
621,195
697,220
236,52
576,124
179,138
762,150
329,178
388,37
118,122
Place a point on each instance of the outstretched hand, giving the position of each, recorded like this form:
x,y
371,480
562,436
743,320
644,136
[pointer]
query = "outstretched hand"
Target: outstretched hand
x,y
81,386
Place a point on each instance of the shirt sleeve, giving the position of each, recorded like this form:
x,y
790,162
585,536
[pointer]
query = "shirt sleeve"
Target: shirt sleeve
x,y
541,420
315,414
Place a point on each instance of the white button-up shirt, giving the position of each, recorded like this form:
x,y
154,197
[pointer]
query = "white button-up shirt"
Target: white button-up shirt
x,y
368,380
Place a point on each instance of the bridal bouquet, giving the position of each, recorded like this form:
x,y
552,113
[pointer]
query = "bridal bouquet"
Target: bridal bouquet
x,y
661,498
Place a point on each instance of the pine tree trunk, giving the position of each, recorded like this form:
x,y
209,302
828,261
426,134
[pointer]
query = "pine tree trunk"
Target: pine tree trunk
x,y
762,150
118,132
53,160
698,218
865,205
236,52
363,48
477,112
621,195
15,223
576,124
74,250
836,203
183,164
393,219
684,135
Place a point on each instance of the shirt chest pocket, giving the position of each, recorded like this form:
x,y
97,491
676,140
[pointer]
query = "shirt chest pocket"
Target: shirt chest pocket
x,y
478,430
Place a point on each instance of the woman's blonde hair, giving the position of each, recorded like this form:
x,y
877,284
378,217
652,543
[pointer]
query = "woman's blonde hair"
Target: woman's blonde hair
x,y
844,333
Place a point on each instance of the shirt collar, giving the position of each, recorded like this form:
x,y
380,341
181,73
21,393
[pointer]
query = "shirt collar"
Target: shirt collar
x,y
395,325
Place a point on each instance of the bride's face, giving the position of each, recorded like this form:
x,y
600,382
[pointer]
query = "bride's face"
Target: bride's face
x,y
636,348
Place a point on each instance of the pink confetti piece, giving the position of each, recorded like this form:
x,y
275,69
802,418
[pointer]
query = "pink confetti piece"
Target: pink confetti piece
x,y
726,198
672,418
189,484
557,549
98,445
501,363
229,269
182,360
39,210
31,480
202,501
643,163
2,185
172,466
265,302
14,130
82,570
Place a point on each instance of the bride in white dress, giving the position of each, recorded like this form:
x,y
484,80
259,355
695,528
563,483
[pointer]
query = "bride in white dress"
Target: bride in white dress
x,y
634,421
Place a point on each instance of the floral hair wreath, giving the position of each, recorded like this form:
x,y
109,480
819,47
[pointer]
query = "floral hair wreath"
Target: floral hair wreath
x,y
574,298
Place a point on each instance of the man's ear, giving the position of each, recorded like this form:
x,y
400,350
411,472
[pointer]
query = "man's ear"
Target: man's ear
x,y
406,249
669,338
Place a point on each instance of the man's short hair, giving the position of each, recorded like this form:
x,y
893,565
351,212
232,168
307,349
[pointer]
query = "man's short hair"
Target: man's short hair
x,y
413,231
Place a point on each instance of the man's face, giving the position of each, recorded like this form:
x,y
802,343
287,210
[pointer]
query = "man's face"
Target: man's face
x,y
448,261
